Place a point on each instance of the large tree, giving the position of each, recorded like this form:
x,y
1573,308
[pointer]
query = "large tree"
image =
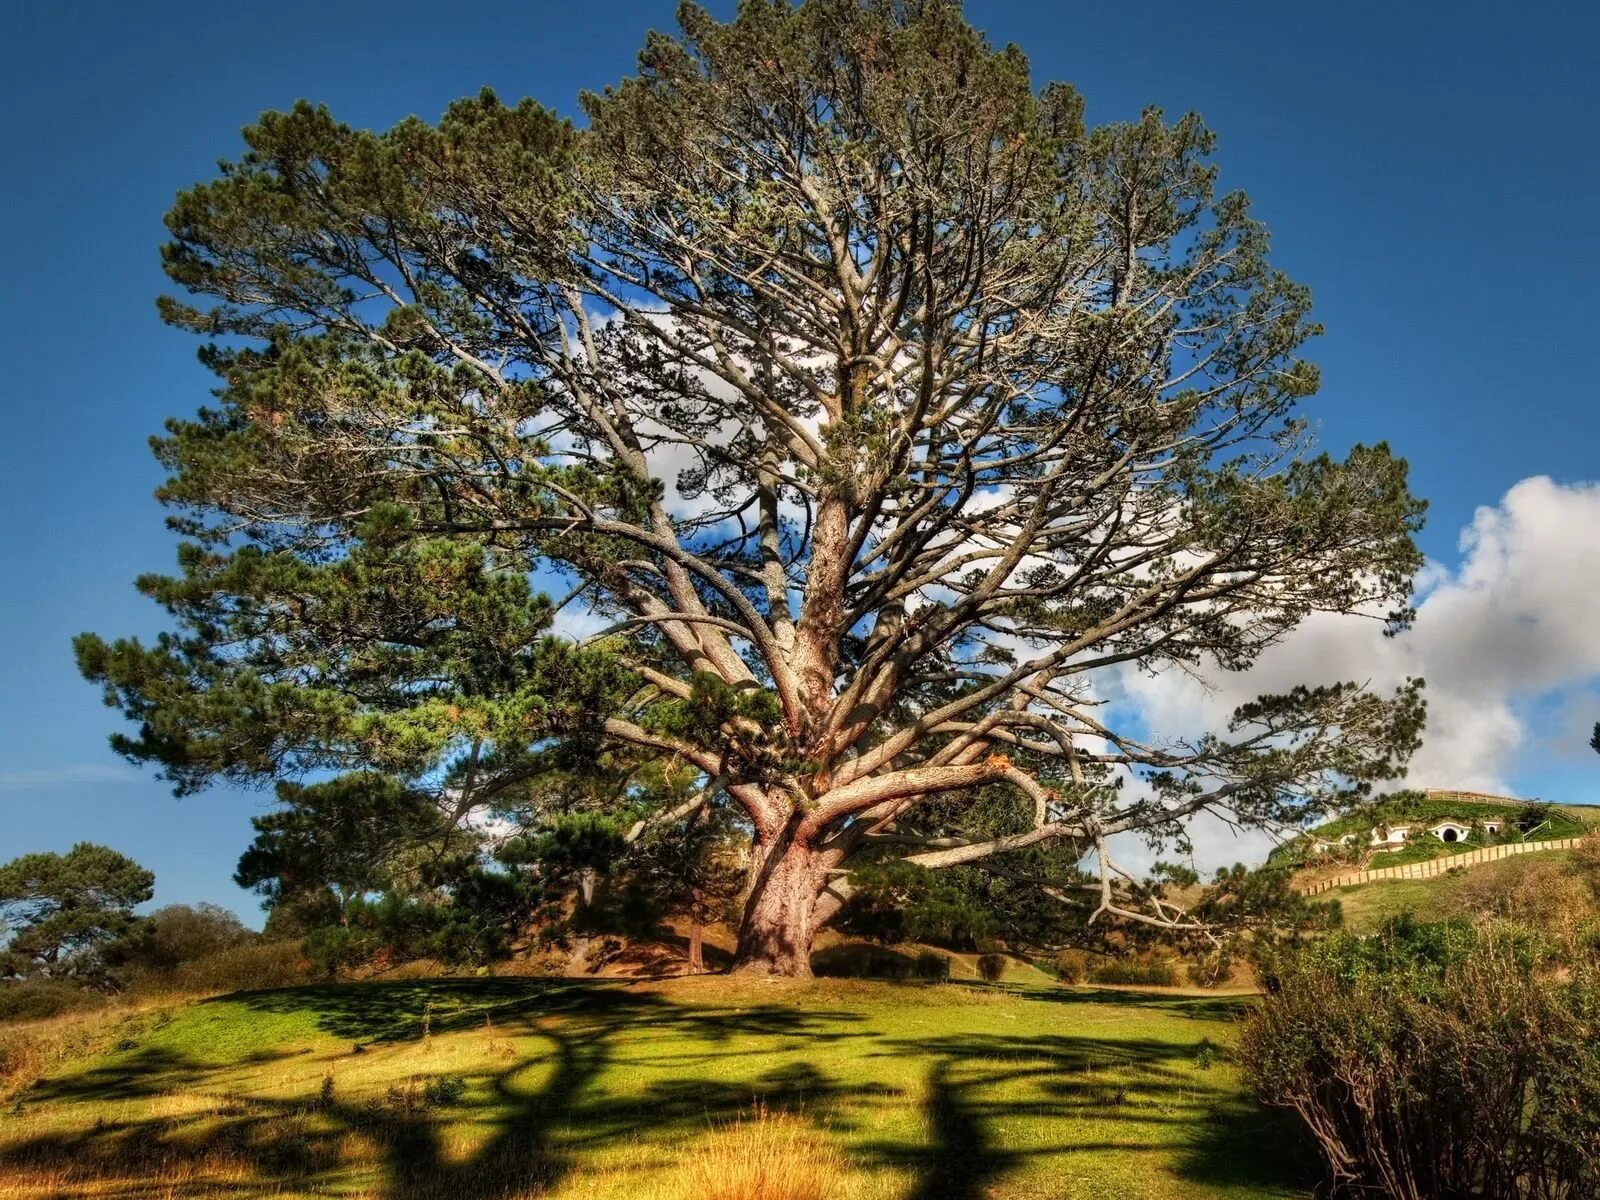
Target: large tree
x,y
880,411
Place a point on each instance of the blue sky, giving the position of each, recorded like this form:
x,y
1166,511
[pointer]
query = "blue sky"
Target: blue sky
x,y
1426,168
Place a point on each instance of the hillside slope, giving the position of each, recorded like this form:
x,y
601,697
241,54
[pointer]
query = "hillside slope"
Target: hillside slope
x,y
510,1089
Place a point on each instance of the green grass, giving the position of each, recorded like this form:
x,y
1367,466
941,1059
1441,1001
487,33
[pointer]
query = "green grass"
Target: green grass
x,y
609,1089
1565,821
1366,906
1422,848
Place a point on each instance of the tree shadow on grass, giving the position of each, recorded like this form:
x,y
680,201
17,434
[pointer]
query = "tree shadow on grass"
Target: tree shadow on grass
x,y
1243,1146
136,1074
540,1112
543,1114
1199,1008
1152,1094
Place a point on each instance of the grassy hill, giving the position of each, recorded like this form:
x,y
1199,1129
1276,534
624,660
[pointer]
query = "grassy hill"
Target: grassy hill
x,y
1416,808
510,1089
1539,889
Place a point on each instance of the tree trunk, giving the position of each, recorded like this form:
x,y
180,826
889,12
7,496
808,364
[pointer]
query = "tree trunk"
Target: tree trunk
x,y
697,962
779,914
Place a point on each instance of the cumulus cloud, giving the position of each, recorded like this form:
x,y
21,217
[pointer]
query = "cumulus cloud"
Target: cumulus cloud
x,y
1509,629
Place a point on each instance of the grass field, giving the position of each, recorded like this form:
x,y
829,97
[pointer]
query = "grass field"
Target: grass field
x,y
670,1089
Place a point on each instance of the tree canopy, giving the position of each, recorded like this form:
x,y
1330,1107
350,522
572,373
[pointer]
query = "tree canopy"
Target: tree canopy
x,y
873,411
57,909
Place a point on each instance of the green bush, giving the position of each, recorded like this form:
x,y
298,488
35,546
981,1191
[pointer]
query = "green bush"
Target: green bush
x,y
178,934
931,965
1072,966
1134,973
857,961
991,967
1437,1060
443,1091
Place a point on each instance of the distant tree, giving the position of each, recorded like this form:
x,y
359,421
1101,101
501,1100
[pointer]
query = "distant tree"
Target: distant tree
x,y
180,933
58,909
1594,740
969,406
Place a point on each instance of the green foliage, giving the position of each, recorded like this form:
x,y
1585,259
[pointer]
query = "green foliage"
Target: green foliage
x,y
853,268
1264,901
348,834
1135,974
472,926
857,961
931,965
391,655
443,1090
60,909
1437,1060
992,967
173,937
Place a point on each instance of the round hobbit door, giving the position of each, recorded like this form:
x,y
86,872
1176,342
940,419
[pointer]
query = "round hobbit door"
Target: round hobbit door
x,y
1449,835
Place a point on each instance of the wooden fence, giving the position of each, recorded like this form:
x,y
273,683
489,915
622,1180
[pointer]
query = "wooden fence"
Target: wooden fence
x,y
1435,867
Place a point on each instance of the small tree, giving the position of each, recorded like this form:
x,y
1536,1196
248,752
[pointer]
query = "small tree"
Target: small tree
x,y
59,909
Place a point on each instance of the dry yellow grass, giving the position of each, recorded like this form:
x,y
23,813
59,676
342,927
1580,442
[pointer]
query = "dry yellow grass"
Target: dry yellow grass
x,y
766,1156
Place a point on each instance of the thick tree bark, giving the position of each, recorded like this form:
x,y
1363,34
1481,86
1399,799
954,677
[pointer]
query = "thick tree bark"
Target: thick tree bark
x,y
780,911
697,961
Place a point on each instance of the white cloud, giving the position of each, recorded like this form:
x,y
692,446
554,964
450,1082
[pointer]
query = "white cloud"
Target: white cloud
x,y
67,775
1512,625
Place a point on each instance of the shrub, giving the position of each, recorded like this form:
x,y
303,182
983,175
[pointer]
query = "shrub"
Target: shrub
x,y
931,965
1544,893
36,999
251,967
1072,966
858,961
991,967
1214,970
181,933
1135,973
1437,1060
443,1091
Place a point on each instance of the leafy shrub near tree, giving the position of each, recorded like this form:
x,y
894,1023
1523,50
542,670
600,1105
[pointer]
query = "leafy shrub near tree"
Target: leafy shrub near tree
x,y
1146,974
1438,1060
992,967
1072,966
856,961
